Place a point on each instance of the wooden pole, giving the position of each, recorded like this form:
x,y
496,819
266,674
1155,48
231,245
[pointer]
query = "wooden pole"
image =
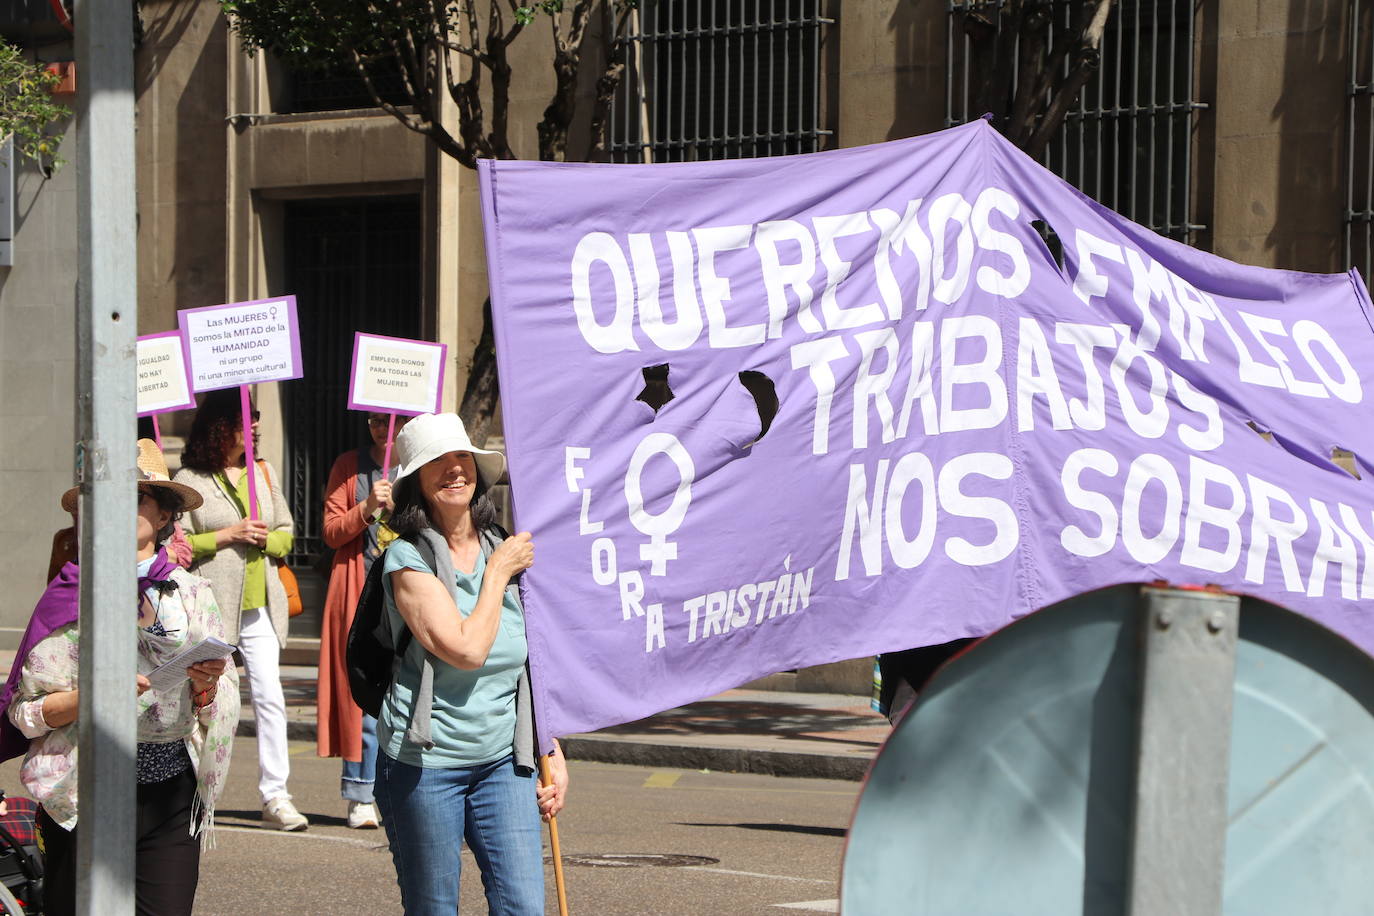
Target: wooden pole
x,y
546,778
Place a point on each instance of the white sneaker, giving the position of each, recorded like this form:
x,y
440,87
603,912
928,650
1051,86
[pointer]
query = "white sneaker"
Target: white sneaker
x,y
280,814
362,815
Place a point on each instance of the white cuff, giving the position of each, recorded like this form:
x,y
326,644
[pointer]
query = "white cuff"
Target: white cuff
x,y
27,716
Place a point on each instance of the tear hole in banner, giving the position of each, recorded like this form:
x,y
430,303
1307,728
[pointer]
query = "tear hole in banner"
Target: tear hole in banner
x,y
765,395
1346,460
656,392
1053,243
1324,459
1262,431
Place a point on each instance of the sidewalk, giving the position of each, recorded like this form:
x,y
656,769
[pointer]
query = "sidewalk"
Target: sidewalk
x,y
819,735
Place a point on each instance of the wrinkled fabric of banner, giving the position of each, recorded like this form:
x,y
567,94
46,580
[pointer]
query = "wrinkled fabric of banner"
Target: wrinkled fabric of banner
x,y
967,426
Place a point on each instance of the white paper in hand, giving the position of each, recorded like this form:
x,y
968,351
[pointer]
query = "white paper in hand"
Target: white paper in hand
x,y
170,674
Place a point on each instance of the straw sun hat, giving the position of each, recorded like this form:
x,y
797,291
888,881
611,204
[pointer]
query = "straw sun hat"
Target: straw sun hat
x,y
430,435
152,472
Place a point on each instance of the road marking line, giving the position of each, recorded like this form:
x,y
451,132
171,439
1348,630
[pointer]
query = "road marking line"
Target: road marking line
x,y
817,906
301,835
662,780
766,791
753,874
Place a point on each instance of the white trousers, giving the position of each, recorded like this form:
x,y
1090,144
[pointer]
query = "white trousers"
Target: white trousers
x,y
261,658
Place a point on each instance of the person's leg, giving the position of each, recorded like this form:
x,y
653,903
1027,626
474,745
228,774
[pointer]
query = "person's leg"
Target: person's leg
x,y
422,811
905,674
503,833
167,867
261,657
59,866
359,775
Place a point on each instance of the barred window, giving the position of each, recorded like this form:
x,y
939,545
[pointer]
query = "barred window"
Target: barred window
x,y
333,87
1359,183
1128,141
720,79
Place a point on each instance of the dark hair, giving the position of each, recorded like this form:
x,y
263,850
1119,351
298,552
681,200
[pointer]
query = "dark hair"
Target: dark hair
x,y
411,514
212,431
168,500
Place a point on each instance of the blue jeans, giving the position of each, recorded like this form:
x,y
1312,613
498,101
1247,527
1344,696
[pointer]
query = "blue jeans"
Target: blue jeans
x,y
428,811
359,775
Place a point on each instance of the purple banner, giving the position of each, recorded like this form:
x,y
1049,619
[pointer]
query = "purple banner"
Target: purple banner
x,y
965,430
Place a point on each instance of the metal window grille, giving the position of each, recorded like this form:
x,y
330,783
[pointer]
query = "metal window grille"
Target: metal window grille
x,y
720,79
1128,141
1359,180
354,265
339,88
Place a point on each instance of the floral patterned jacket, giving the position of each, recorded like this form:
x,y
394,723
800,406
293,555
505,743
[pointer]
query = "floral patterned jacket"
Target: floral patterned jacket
x,y
189,614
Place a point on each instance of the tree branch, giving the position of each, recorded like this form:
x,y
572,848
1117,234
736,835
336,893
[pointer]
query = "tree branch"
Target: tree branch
x,y
992,57
612,75
1086,62
1031,70
567,60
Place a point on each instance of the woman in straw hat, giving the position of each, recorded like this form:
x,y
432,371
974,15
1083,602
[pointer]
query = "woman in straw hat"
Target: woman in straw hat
x,y
185,733
232,550
455,732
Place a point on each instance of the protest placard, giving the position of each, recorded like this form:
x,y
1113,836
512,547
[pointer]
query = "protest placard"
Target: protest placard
x,y
242,343
164,375
884,413
396,375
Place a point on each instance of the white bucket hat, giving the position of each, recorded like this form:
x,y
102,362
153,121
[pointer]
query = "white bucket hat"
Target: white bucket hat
x,y
430,435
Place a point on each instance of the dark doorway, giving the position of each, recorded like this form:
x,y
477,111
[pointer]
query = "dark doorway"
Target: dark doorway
x,y
354,264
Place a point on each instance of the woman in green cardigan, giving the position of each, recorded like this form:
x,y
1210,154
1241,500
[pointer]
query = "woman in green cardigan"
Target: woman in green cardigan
x,y
232,551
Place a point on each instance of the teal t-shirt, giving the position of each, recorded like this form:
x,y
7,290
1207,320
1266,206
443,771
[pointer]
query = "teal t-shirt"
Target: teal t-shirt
x,y
474,711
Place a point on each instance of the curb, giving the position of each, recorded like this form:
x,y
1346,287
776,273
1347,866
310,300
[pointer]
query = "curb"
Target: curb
x,y
594,749
295,731
724,759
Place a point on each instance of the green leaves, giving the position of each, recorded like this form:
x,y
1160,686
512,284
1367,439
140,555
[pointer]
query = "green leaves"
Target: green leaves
x,y
524,15
26,106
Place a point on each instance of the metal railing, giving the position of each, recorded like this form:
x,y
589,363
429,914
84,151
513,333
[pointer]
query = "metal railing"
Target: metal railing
x,y
1128,142
1359,174
720,79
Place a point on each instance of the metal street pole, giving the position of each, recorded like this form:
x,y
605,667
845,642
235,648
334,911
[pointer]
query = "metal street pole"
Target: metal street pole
x,y
106,323
1183,759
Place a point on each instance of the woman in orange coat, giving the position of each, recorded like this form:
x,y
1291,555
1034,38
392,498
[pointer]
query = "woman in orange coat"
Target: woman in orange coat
x,y
358,494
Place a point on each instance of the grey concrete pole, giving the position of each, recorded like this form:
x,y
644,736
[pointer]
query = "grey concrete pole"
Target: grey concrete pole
x,y
1187,684
107,323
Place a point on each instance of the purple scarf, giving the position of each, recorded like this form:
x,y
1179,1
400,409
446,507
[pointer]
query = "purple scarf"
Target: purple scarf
x,y
58,607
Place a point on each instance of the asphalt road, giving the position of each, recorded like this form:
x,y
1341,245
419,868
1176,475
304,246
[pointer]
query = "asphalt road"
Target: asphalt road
x,y
635,841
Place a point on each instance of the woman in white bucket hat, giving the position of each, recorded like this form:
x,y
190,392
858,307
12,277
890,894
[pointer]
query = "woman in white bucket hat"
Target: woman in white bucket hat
x,y
455,733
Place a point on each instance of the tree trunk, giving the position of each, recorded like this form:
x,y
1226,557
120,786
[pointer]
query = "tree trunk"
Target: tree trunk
x,y
478,407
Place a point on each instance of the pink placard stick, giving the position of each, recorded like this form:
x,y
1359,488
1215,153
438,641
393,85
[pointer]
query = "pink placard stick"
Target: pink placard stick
x,y
157,433
247,406
386,458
